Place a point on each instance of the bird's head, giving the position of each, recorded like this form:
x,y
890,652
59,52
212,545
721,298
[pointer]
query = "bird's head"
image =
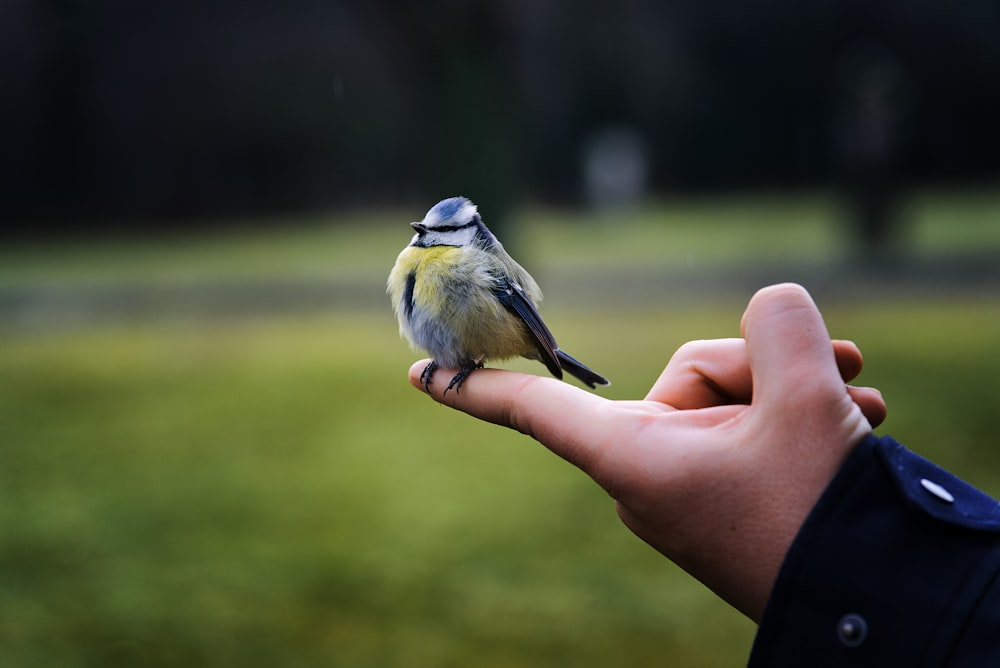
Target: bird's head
x,y
451,222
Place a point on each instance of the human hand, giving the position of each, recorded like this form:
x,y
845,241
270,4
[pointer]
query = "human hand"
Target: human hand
x,y
718,467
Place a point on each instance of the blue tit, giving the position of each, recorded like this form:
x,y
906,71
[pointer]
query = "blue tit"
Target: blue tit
x,y
458,295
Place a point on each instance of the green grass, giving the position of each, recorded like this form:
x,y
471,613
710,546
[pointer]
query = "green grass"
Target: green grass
x,y
274,493
269,491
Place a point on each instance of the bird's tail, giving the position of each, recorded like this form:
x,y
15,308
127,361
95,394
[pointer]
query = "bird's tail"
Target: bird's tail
x,y
576,368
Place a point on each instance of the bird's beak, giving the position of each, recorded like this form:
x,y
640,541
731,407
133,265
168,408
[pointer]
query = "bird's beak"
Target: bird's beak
x,y
419,228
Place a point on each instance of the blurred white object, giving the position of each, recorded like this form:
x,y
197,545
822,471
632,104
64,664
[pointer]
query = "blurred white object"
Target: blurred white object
x,y
615,168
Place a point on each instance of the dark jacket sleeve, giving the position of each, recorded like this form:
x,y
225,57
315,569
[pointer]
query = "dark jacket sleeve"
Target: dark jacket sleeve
x,y
897,565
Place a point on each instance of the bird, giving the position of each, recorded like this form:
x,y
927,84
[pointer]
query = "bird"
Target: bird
x,y
458,295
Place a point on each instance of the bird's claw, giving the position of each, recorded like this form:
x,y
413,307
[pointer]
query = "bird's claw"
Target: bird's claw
x,y
456,381
463,373
425,376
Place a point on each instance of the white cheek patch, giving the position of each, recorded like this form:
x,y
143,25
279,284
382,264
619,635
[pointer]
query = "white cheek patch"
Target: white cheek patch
x,y
465,235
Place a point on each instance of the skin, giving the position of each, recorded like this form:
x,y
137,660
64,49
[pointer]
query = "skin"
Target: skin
x,y
718,467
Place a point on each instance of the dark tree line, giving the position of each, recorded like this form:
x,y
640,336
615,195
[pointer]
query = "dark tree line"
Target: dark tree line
x,y
185,110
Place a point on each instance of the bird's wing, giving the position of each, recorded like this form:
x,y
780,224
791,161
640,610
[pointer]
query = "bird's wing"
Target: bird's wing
x,y
513,297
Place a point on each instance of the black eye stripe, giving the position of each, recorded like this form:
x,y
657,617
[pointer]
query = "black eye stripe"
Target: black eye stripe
x,y
451,228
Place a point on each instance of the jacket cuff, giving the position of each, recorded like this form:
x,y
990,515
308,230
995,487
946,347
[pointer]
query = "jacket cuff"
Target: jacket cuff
x,y
898,560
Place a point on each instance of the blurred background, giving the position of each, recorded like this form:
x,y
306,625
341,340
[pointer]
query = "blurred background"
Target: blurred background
x,y
209,453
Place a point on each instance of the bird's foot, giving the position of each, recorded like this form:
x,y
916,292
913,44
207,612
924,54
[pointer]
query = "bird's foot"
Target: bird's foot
x,y
425,376
463,373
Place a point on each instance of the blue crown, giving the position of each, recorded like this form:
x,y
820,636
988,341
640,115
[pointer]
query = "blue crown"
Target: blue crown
x,y
449,208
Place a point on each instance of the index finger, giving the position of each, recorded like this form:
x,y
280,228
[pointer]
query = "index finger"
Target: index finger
x,y
557,414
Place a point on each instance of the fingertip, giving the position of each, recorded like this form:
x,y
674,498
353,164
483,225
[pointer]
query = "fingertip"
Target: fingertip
x,y
465,395
787,288
557,414
780,295
789,349
849,358
871,403
435,384
416,371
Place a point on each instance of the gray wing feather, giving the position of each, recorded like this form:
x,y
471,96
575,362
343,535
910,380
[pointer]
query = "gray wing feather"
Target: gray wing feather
x,y
514,298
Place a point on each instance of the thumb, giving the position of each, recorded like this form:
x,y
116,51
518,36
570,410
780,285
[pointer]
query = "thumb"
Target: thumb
x,y
789,349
